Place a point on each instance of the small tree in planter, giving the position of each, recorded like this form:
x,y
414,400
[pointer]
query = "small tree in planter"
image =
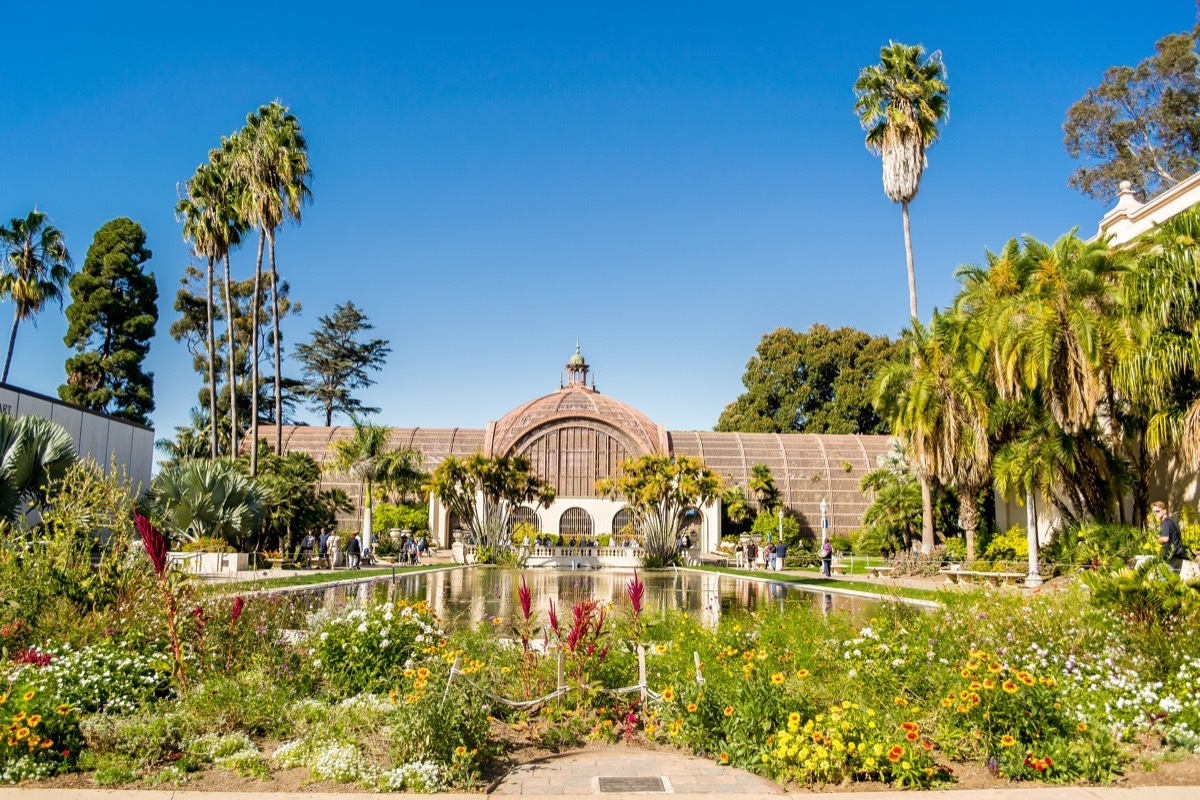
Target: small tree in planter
x,y
484,492
659,490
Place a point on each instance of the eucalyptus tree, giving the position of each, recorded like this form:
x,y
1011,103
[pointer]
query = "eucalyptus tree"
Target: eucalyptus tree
x,y
901,102
36,267
271,159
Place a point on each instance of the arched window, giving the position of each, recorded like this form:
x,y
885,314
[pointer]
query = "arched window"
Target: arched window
x,y
693,522
526,515
621,519
575,522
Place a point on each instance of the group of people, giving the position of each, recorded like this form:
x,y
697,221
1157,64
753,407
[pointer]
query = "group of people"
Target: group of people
x,y
329,550
752,556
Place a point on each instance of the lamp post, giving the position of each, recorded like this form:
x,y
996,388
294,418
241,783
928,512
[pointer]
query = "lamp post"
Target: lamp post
x,y
781,522
824,518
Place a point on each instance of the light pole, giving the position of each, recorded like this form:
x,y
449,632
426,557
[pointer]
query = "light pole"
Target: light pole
x,y
781,522
824,518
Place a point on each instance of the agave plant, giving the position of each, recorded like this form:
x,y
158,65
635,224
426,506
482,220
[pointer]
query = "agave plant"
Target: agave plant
x,y
198,497
33,452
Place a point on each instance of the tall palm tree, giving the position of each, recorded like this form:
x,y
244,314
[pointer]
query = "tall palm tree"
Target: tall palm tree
x,y
272,160
367,457
36,268
901,101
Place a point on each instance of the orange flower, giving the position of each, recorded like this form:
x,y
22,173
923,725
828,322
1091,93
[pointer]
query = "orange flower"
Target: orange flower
x,y
895,754
910,726
63,709
1007,741
988,683
1082,727
912,736
1009,687
724,757
729,711
34,719
994,667
691,707
1025,678
928,745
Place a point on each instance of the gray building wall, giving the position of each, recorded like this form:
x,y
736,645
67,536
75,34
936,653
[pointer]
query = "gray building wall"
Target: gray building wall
x,y
104,439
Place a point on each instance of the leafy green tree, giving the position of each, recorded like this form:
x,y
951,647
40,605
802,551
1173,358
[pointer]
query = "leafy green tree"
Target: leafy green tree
x,y
1141,124
483,492
735,507
36,267
293,502
659,490
271,161
34,452
112,316
207,497
817,381
335,362
901,101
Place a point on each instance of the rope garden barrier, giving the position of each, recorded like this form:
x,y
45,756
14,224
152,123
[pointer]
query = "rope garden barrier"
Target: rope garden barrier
x,y
563,688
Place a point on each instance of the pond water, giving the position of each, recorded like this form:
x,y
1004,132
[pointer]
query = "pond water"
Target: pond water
x,y
469,597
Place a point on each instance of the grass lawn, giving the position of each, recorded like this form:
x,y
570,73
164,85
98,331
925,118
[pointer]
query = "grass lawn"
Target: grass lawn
x,y
880,589
302,578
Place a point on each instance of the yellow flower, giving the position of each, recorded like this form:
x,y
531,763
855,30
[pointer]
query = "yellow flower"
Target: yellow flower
x,y
506,670
994,667
30,695
408,673
34,720
1009,687
724,757
660,648
947,702
423,672
650,729
777,678
22,733
460,751
691,707
900,701
1007,741
63,709
801,673
1082,727
3,699
729,711
668,694
1025,678
794,717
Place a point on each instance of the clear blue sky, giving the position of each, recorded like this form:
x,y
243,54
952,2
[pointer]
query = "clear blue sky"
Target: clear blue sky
x,y
668,182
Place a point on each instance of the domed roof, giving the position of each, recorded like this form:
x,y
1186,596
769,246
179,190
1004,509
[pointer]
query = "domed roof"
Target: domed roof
x,y
574,402
577,359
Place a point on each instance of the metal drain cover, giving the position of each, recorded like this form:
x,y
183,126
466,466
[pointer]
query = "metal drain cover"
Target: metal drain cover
x,y
607,784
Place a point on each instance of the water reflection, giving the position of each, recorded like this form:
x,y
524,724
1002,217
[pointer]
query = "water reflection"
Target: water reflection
x,y
479,595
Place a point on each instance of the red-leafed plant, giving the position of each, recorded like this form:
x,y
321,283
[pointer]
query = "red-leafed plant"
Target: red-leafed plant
x,y
235,611
155,545
582,642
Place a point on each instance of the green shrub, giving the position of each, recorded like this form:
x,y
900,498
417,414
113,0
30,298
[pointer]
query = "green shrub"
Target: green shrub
x,y
366,649
413,516
841,544
141,740
955,549
604,540
221,704
207,544
1012,545
768,525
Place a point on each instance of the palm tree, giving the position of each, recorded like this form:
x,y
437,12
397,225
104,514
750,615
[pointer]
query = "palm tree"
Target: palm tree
x,y
272,160
37,267
201,498
367,457
900,102
33,452
762,487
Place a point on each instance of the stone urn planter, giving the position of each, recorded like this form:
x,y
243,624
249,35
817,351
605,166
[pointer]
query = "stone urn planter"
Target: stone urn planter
x,y
395,534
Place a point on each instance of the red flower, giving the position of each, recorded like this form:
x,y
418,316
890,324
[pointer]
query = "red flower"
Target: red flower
x,y
236,611
153,542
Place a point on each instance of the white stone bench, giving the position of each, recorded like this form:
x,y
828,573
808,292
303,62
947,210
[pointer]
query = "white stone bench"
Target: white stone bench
x,y
961,575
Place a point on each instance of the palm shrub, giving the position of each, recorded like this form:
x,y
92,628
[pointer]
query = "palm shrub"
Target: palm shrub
x,y
34,451
200,498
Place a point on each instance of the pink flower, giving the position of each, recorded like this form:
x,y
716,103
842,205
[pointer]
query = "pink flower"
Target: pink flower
x,y
637,592
236,611
526,598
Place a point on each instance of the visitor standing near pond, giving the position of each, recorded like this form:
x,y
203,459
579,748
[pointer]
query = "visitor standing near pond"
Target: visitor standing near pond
x,y
353,551
826,558
323,546
1174,552
307,545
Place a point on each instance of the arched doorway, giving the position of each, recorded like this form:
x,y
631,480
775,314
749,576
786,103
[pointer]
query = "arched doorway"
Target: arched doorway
x,y
575,522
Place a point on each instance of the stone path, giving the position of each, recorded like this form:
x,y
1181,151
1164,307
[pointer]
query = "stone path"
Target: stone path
x,y
585,773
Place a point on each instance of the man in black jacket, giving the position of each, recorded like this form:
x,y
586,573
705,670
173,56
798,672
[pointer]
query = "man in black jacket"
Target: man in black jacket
x,y
1174,552
353,551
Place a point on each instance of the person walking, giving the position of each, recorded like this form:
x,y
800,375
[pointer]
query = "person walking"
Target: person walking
x,y
826,559
780,554
1174,551
353,551
307,545
323,547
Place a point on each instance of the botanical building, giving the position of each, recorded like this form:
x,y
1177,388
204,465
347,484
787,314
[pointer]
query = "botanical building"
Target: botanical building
x,y
575,436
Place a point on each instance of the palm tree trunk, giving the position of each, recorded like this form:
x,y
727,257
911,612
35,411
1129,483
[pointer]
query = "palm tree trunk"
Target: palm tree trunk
x,y
212,366
969,514
254,307
912,270
275,345
12,342
232,343
926,515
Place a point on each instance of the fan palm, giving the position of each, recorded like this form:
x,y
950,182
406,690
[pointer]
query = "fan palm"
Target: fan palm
x,y
36,268
272,160
901,101
200,497
33,452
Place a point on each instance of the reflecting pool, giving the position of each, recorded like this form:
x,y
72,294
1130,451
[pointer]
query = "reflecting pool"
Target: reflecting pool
x,y
469,597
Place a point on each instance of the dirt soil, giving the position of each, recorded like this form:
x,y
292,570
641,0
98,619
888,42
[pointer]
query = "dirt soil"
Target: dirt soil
x,y
1150,769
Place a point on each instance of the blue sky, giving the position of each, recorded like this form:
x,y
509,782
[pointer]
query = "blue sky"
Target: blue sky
x,y
667,182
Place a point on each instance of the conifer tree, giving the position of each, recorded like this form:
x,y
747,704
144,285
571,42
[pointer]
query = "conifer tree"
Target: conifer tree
x,y
335,362
112,316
